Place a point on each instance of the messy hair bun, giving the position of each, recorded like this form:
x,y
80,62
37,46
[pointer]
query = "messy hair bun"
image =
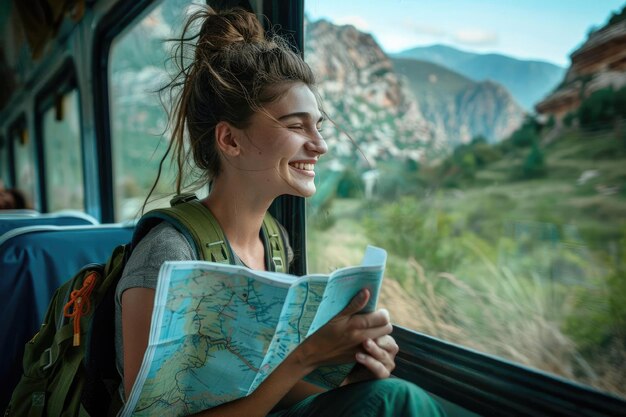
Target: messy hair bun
x,y
236,70
228,28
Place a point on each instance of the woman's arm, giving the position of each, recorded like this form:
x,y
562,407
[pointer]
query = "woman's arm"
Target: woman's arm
x,y
137,305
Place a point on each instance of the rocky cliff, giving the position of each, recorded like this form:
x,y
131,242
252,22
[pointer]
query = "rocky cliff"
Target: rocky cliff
x,y
599,63
390,109
363,95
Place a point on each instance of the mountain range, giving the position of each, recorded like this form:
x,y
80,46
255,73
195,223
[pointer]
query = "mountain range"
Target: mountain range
x,y
529,81
398,106
458,108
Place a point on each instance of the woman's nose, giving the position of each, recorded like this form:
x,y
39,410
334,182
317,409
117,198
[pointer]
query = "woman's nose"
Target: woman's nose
x,y
317,144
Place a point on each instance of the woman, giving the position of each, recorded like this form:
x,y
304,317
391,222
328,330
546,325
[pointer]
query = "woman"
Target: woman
x,y
253,123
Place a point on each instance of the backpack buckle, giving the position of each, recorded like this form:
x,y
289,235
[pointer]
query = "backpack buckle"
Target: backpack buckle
x,y
218,254
278,264
182,198
47,362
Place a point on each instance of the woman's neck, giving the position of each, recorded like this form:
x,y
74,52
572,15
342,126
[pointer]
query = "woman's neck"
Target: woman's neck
x,y
240,210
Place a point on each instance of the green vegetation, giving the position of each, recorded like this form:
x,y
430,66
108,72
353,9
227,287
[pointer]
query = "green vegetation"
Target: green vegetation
x,y
603,108
516,249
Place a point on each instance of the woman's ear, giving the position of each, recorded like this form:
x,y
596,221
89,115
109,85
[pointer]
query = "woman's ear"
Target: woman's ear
x,y
226,139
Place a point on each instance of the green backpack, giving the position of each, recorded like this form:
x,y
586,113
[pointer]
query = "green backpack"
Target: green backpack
x,y
69,365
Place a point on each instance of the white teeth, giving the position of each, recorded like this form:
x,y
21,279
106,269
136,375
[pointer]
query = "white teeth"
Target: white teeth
x,y
303,166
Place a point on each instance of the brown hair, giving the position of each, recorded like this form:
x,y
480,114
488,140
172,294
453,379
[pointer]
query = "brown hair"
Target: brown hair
x,y
235,70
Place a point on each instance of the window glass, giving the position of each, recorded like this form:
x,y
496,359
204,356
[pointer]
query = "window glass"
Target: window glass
x,y
63,154
483,146
138,120
25,171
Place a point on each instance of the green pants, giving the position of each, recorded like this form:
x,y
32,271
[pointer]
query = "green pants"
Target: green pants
x,y
377,398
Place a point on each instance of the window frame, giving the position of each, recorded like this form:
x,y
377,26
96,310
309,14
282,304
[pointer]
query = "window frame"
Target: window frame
x,y
289,210
490,385
470,379
4,144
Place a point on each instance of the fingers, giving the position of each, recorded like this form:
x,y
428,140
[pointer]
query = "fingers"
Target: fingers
x,y
389,344
376,319
371,325
376,367
385,354
376,332
357,303
379,356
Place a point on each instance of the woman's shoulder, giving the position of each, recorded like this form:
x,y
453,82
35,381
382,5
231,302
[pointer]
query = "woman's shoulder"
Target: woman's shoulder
x,y
162,243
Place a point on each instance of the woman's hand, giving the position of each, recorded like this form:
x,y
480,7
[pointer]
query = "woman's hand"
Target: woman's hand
x,y
376,361
339,340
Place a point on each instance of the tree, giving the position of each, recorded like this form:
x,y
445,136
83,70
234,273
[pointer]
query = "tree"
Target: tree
x,y
534,165
617,17
569,118
619,102
525,136
597,110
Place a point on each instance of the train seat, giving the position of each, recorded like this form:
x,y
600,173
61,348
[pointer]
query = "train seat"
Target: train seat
x,y
34,261
19,213
13,219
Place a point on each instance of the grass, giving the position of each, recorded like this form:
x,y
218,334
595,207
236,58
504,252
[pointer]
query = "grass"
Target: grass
x,y
516,269
342,244
483,305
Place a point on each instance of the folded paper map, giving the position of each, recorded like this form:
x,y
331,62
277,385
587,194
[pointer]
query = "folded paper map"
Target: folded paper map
x,y
219,330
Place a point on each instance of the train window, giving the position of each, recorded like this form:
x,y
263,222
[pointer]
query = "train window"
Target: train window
x,y
62,153
486,153
4,162
137,70
24,162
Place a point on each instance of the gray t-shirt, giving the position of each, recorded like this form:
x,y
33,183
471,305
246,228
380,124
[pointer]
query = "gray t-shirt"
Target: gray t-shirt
x,y
162,243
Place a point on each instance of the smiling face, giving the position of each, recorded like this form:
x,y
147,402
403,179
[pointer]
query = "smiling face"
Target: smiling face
x,y
281,145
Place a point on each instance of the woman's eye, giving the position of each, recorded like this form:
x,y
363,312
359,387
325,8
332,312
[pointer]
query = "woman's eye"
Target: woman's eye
x,y
297,127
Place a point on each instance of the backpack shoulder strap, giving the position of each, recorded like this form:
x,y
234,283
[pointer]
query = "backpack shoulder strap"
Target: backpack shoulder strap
x,y
191,218
276,243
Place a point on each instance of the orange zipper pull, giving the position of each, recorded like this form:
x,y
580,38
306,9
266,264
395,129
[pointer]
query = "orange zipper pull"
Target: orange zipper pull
x,y
80,304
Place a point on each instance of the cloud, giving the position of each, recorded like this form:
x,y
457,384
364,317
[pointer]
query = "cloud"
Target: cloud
x,y
424,29
477,37
395,41
356,21
468,36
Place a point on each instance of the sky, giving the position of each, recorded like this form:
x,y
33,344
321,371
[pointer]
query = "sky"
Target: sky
x,y
545,30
